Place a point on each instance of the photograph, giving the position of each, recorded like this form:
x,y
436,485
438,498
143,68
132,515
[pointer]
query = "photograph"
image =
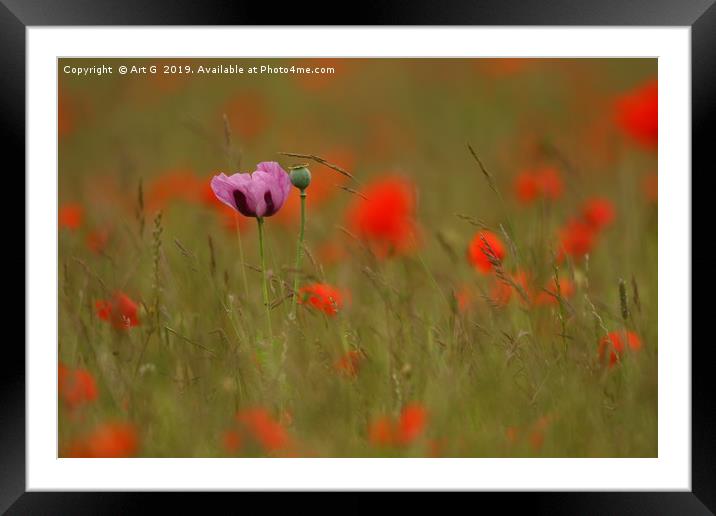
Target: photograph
x,y
357,257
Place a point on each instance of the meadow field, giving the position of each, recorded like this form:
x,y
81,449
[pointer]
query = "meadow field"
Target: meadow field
x,y
477,275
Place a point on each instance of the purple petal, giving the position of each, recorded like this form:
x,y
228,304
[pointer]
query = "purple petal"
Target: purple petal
x,y
272,187
235,191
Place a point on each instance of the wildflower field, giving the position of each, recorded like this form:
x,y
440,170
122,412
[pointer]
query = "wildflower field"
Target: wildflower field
x,y
382,257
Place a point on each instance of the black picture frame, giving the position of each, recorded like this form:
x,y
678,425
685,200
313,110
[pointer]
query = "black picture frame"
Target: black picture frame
x,y
17,15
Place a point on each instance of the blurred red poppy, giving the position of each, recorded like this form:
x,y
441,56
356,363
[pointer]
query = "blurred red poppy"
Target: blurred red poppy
x,y
537,434
577,238
537,439
176,184
383,431
113,440
566,290
543,182
349,364
232,441
550,182
385,217
120,311
323,297
411,424
380,432
636,114
70,215
263,428
526,187
109,440
484,249
598,212
501,292
76,387
615,343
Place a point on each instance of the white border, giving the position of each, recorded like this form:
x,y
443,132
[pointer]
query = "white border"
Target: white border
x,y
671,470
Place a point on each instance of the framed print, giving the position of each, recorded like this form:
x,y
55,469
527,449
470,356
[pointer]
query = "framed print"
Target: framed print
x,y
362,258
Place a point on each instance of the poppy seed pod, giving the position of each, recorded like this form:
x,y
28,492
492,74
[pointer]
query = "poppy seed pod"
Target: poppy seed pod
x,y
300,177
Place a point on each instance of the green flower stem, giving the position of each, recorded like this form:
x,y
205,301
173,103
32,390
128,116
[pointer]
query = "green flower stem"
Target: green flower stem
x,y
241,254
260,221
299,252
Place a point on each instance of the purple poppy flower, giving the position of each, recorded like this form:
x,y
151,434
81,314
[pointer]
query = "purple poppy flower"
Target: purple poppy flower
x,y
259,194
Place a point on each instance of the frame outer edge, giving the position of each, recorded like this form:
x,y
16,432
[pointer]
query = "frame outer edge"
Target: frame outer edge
x,y
12,149
703,118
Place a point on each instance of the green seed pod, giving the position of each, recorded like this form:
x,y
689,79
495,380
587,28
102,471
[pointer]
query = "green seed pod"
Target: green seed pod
x,y
300,177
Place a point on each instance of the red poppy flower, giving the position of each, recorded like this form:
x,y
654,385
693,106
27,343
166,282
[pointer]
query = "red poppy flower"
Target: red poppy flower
x,y
485,248
637,112
380,432
109,440
120,311
232,441
545,182
383,431
176,184
70,216
577,238
598,213
566,289
537,439
550,183
385,218
615,343
323,297
537,433
501,292
411,424
349,364
113,440
526,187
76,387
263,428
